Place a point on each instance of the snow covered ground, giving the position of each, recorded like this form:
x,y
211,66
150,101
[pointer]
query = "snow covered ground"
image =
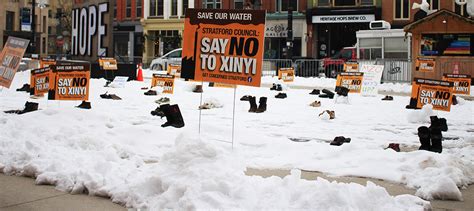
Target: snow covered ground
x,y
117,149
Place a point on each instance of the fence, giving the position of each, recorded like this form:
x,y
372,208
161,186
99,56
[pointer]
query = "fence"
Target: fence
x,y
395,70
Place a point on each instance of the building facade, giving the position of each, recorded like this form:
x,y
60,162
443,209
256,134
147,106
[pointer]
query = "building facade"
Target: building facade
x,y
59,27
128,31
333,23
163,25
15,13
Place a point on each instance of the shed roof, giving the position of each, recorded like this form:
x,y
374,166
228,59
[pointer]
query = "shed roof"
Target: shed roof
x,y
411,26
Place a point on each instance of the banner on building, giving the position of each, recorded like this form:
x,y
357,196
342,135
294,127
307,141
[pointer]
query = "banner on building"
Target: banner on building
x,y
286,74
40,80
71,82
372,78
462,83
174,70
351,66
108,63
350,80
165,81
10,59
224,46
434,92
44,62
425,64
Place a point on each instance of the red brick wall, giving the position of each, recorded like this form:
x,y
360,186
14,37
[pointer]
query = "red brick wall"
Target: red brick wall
x,y
122,13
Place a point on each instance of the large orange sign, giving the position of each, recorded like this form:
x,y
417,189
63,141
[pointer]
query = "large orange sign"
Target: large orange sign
x,y
10,59
434,92
350,80
40,81
71,82
462,83
224,46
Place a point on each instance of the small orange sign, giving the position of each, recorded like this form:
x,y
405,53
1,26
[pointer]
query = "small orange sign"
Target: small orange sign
x,y
44,62
287,74
71,82
434,92
462,83
350,80
40,80
165,81
425,64
174,70
351,66
108,63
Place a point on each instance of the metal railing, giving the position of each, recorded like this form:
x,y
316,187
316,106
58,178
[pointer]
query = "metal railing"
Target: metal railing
x,y
270,66
395,70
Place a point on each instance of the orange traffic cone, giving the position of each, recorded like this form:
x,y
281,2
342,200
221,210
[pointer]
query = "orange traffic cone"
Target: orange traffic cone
x,y
140,73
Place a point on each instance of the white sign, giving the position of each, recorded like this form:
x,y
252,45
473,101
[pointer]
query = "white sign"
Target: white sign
x,y
119,82
343,18
372,78
87,23
280,28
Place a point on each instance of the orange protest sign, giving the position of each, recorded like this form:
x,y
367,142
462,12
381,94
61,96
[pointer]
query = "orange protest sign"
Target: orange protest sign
x,y
462,83
174,70
425,64
40,81
351,66
10,59
224,46
108,63
165,81
44,62
287,74
71,82
350,80
434,92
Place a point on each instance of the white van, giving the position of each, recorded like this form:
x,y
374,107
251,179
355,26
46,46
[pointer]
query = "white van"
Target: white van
x,y
172,57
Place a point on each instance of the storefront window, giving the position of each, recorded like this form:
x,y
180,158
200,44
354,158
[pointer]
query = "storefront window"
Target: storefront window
x,y
402,9
282,5
447,45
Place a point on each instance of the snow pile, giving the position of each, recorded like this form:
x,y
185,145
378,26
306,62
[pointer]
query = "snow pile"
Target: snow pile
x,y
421,116
211,103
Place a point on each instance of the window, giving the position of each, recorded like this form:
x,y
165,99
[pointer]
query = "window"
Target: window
x,y
129,9
366,2
174,7
434,4
324,3
402,9
447,45
115,9
156,7
176,54
139,8
185,6
211,4
344,3
10,21
50,30
238,4
282,5
460,9
396,47
44,25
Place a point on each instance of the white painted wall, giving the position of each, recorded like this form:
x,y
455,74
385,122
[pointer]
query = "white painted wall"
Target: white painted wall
x,y
167,8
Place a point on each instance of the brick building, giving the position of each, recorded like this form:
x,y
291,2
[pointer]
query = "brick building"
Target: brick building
x,y
128,31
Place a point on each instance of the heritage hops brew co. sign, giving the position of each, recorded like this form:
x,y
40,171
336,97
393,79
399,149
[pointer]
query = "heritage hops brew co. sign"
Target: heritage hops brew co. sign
x,y
223,46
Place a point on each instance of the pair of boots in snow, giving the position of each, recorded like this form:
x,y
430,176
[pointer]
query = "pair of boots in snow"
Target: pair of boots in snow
x,y
431,138
172,114
262,107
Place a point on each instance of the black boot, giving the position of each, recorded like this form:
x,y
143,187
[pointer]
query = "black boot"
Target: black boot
x,y
198,89
343,91
327,94
455,100
281,95
262,107
279,88
29,107
436,138
24,88
315,92
245,98
253,104
159,110
274,87
412,105
84,105
438,123
424,135
173,117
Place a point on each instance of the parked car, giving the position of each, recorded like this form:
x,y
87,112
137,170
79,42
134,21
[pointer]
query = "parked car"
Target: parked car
x,y
335,64
172,57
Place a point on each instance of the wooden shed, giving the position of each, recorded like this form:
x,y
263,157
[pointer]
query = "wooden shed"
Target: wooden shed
x,y
446,37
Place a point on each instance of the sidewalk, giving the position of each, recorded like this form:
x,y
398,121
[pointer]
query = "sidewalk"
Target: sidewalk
x,y
392,188
21,193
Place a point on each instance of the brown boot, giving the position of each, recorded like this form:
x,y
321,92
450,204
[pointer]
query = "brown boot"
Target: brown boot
x,y
198,89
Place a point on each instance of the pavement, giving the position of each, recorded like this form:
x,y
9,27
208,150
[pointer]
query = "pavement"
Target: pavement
x,y
21,193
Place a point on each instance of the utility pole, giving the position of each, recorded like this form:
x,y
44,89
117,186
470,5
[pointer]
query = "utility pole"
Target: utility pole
x,y
33,26
289,37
